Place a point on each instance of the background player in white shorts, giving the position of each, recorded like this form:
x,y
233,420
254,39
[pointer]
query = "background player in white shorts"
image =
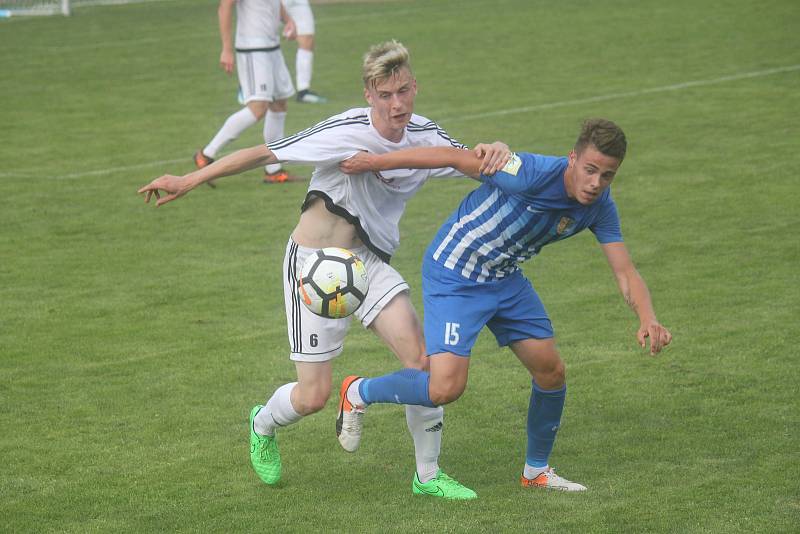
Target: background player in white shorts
x,y
263,77
303,17
360,213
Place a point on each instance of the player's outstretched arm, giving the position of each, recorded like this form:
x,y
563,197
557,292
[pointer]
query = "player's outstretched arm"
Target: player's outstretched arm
x,y
634,291
176,186
467,162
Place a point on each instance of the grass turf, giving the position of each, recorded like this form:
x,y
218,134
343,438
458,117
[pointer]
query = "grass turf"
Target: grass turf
x,y
134,341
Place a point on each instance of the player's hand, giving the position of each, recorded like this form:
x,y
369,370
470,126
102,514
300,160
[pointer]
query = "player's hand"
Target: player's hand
x,y
659,336
290,30
359,163
174,186
494,156
227,61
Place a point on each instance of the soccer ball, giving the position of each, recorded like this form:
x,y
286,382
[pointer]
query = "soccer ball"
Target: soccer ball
x,y
333,282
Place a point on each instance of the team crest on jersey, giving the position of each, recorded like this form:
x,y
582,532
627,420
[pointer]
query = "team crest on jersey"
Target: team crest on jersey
x,y
564,225
513,165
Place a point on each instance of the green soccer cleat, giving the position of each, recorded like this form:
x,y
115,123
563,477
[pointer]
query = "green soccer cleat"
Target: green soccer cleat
x,y
264,454
443,486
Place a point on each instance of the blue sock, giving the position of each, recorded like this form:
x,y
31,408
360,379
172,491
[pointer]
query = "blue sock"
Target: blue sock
x,y
544,417
409,386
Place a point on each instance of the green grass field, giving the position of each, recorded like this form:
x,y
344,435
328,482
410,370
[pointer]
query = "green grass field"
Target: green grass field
x,y
134,340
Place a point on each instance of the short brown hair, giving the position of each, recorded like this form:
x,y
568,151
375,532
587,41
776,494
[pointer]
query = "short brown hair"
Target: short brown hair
x,y
383,60
605,136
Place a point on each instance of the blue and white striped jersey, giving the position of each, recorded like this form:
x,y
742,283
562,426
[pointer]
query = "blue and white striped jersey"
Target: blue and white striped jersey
x,y
513,214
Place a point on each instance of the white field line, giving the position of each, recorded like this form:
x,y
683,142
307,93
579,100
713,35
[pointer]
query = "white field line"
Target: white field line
x,y
488,114
159,353
125,168
98,172
626,94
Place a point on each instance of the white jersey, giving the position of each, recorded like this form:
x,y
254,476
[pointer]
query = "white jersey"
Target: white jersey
x,y
258,24
372,202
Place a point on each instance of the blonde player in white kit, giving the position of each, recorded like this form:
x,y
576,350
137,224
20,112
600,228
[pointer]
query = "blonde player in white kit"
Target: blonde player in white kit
x,y
360,213
263,76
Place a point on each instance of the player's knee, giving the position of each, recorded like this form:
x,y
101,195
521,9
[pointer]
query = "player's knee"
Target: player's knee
x,y
309,406
444,393
306,41
312,401
553,376
258,108
278,106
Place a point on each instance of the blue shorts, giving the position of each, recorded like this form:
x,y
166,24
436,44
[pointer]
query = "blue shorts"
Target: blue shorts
x,y
456,309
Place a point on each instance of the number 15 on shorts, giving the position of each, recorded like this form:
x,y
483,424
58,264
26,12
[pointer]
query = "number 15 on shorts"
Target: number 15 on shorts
x,y
451,336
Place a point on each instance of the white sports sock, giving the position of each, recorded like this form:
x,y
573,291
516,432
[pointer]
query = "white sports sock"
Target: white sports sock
x,y
425,425
303,65
273,130
277,412
233,128
532,472
353,394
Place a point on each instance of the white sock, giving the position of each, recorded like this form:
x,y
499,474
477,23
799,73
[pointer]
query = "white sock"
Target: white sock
x,y
277,412
273,130
303,65
233,128
425,425
531,472
353,394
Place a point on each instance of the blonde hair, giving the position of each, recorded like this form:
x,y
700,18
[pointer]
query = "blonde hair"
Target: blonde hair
x,y
384,60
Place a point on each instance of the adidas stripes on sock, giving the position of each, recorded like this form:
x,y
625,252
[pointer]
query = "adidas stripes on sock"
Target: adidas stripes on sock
x,y
425,425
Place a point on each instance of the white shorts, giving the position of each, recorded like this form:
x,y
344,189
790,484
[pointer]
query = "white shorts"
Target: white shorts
x,y
300,11
316,339
263,76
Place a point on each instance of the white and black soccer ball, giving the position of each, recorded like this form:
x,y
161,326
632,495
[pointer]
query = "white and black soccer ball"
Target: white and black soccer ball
x,y
333,282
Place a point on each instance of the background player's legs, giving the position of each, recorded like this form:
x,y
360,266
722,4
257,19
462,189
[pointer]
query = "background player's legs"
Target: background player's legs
x,y
274,127
304,61
234,126
304,67
303,16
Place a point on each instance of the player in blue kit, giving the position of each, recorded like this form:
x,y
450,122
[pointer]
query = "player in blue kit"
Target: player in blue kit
x,y
471,277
